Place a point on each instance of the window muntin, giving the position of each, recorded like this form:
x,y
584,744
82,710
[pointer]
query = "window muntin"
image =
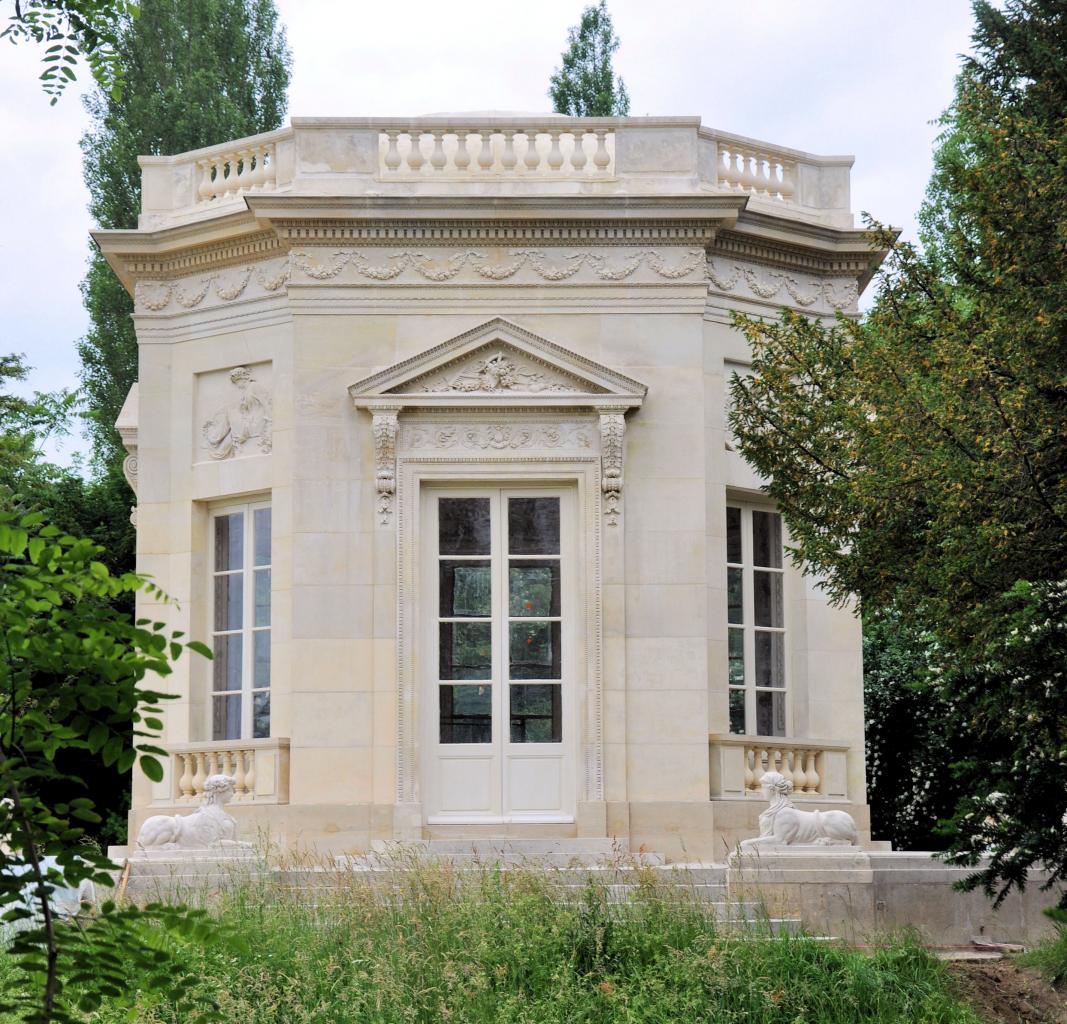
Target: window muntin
x,y
241,622
755,581
513,545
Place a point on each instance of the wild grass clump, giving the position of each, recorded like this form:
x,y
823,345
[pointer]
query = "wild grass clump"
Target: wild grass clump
x,y
467,946
1050,957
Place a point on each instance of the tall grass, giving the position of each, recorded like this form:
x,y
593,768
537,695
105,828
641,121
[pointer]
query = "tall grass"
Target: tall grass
x,y
437,944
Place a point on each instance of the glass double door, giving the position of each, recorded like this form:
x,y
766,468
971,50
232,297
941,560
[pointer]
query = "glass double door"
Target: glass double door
x,y
497,654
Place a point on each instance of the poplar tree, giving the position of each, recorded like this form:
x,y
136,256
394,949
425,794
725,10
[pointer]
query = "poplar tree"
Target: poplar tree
x,y
920,456
195,73
585,85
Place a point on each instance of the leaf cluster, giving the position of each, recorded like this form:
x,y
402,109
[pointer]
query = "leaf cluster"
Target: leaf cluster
x,y
73,30
75,672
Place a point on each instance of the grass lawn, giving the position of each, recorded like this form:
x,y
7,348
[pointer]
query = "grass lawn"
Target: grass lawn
x,y
487,946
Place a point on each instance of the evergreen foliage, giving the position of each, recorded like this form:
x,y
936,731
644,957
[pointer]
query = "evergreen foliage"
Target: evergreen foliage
x,y
920,456
585,85
197,73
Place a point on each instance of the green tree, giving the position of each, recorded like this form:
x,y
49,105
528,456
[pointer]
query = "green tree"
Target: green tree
x,y
920,456
197,72
74,672
586,86
72,30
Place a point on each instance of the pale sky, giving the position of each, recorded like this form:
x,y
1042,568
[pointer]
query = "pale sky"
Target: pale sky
x,y
828,76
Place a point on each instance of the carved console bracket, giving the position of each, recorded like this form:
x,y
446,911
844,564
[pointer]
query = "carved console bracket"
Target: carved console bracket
x,y
384,426
612,435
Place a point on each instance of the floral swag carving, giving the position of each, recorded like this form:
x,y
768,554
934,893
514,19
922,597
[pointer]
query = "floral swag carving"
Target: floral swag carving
x,y
229,285
766,284
612,433
445,269
384,429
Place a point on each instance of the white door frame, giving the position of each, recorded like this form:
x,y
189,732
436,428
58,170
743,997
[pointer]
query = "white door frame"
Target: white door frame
x,y
580,471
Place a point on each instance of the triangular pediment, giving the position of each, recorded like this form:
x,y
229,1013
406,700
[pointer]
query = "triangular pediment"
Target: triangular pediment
x,y
496,363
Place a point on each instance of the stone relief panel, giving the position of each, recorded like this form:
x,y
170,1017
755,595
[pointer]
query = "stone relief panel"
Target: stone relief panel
x,y
472,266
807,292
497,370
215,289
234,412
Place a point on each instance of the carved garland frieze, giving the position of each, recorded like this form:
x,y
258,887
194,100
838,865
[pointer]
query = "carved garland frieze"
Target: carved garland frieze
x,y
443,268
497,436
231,284
805,290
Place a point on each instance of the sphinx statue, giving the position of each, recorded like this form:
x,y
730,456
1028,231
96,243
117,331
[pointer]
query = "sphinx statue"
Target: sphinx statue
x,y
781,824
209,826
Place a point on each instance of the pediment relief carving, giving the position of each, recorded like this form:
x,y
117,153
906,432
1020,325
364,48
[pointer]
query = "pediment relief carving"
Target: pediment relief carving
x,y
498,369
497,363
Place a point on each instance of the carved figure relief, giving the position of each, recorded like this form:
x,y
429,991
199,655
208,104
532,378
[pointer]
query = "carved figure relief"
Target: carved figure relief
x,y
783,825
495,374
245,420
208,826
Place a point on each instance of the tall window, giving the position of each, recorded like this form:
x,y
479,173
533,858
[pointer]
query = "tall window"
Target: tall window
x,y
756,617
240,618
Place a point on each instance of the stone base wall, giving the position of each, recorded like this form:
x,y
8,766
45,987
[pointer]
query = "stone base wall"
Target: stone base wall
x,y
858,895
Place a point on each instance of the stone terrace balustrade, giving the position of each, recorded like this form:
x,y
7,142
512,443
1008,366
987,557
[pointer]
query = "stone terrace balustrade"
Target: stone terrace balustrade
x,y
817,768
516,155
259,769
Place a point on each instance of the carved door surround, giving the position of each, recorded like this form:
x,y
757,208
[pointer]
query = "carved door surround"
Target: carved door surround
x,y
499,404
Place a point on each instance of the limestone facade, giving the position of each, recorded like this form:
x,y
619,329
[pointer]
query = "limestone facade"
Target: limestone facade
x,y
354,331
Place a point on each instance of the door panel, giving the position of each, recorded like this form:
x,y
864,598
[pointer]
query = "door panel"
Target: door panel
x,y
497,649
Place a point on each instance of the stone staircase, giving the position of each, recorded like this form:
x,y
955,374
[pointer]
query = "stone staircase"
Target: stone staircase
x,y
571,865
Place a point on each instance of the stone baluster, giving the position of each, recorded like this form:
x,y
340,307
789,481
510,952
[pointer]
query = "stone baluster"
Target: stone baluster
x,y
198,774
800,775
392,151
259,168
508,159
415,157
762,173
250,774
206,187
578,157
812,772
437,157
783,765
485,153
240,786
750,177
243,165
750,775
462,159
555,154
531,158
185,779
601,158
787,188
